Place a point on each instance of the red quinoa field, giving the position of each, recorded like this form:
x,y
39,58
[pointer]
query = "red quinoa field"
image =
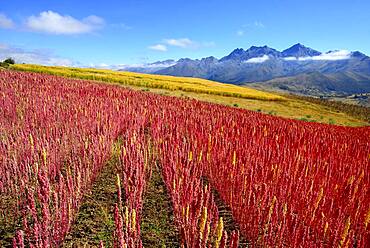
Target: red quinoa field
x,y
284,183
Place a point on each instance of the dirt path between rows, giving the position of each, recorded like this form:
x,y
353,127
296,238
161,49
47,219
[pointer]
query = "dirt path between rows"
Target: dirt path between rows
x,y
95,220
158,228
225,212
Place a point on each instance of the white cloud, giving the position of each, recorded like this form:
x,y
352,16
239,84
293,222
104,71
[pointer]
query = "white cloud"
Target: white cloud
x,y
332,55
156,65
183,42
150,66
103,65
158,47
42,57
100,66
291,58
258,59
6,22
335,55
55,23
188,43
94,20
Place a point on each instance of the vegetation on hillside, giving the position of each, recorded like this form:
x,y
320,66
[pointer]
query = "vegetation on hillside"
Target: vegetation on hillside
x,y
154,81
221,176
7,62
204,90
357,111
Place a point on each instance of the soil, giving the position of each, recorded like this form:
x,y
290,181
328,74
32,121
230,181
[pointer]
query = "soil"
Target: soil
x,y
95,220
158,227
225,212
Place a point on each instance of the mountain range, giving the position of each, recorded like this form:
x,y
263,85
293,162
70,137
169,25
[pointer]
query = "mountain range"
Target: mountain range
x,y
298,69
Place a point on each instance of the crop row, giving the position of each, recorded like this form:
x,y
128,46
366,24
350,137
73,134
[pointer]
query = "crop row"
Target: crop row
x,y
154,81
288,183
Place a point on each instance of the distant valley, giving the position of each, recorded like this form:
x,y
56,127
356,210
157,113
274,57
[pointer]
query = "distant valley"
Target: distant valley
x,y
298,69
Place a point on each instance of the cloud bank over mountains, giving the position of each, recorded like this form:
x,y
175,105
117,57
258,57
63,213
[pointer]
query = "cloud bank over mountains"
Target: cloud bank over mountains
x,y
330,56
298,69
158,47
258,59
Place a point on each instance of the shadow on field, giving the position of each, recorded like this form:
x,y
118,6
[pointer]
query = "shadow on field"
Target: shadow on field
x,y
225,212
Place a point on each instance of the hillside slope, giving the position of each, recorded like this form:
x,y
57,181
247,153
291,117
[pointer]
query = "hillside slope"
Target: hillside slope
x,y
154,81
317,84
173,86
298,69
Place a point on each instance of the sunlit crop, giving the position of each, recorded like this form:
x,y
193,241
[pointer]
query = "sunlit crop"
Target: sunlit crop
x,y
154,81
288,183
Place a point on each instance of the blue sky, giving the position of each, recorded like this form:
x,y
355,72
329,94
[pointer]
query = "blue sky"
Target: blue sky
x,y
135,31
